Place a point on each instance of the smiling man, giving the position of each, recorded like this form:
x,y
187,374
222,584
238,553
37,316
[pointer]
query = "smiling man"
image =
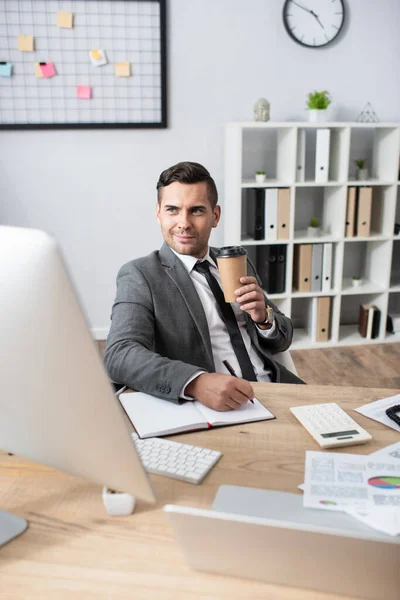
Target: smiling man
x,y
169,336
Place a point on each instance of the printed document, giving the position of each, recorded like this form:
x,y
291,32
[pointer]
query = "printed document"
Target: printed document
x,y
341,481
377,410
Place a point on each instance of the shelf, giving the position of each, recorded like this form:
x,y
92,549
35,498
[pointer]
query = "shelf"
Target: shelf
x,y
301,237
373,237
288,151
251,242
349,336
368,182
312,183
367,287
295,294
301,339
251,183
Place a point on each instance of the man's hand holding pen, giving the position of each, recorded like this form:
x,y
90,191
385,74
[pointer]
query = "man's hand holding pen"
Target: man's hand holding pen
x,y
220,392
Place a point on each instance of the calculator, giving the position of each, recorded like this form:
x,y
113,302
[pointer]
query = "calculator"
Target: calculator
x,y
330,425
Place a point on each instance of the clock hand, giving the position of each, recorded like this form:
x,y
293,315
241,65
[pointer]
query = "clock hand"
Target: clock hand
x,y
316,16
301,6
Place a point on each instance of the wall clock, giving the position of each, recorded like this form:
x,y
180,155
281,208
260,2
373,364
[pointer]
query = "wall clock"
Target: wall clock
x,y
313,23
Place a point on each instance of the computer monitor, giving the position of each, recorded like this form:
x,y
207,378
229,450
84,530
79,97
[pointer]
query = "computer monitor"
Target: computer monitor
x,y
57,406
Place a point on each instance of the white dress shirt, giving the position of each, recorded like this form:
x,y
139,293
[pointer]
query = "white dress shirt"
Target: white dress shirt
x,y
221,344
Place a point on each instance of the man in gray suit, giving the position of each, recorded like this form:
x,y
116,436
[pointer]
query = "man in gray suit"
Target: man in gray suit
x,y
169,336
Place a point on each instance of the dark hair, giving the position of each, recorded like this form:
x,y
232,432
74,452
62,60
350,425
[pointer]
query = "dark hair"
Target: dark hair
x,y
188,172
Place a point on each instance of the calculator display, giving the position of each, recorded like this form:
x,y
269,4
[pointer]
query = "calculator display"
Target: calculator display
x,y
339,433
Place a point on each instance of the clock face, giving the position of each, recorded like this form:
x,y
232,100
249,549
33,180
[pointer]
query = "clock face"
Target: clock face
x,y
313,23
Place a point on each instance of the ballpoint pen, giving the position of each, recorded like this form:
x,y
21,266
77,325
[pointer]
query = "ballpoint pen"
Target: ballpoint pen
x,y
232,372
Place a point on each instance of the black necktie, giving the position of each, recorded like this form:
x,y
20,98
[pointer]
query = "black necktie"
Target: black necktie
x,y
229,319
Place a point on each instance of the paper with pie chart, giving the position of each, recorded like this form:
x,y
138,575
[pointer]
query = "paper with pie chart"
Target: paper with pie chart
x,y
351,481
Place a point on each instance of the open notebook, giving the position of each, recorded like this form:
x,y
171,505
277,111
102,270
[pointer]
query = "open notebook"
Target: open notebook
x,y
152,416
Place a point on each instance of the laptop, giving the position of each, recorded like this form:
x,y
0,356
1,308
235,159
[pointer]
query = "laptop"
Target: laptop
x,y
269,536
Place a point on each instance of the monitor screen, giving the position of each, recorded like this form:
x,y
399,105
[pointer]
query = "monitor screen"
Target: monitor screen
x,y
57,406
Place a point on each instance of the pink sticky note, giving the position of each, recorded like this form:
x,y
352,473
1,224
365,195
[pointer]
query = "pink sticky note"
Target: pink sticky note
x,y
84,92
47,69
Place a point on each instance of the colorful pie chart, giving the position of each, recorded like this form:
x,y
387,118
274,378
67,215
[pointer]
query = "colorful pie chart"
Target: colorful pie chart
x,y
386,482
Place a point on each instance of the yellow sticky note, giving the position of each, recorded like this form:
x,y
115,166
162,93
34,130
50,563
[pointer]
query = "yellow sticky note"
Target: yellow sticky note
x,y
38,71
65,20
96,54
123,69
25,43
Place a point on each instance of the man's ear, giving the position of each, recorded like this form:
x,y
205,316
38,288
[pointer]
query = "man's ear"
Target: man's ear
x,y
217,215
158,212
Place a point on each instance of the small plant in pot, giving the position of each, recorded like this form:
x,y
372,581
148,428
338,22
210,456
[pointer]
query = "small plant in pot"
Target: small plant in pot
x,y
362,171
357,280
313,230
317,103
260,176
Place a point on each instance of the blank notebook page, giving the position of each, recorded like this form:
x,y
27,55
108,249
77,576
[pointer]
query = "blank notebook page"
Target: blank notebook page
x,y
247,412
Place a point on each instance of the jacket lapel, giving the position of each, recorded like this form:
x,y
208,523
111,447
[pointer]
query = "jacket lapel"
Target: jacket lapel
x,y
185,286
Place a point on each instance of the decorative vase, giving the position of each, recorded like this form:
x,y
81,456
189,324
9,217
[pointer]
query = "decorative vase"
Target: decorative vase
x,y
362,174
260,177
313,231
316,115
118,503
356,282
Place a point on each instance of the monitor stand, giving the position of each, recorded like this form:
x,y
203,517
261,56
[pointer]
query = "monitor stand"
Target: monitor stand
x,y
10,527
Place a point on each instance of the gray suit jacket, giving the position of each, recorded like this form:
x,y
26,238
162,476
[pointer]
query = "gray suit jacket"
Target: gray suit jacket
x,y
159,336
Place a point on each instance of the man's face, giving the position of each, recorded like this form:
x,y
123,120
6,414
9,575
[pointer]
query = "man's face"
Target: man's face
x,y
186,217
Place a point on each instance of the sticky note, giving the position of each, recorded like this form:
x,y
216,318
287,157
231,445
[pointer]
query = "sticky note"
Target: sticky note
x,y
65,20
84,92
123,69
5,69
38,71
25,43
98,57
47,69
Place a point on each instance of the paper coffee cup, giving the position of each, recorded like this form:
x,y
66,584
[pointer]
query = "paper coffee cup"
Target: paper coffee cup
x,y
232,265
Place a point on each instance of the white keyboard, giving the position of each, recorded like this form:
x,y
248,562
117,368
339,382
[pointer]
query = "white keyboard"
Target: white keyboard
x,y
330,425
178,461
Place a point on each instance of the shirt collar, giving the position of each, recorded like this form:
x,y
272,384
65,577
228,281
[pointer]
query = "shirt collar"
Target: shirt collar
x,y
190,261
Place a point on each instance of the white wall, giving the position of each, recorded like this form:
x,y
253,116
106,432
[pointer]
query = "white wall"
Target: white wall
x,y
95,190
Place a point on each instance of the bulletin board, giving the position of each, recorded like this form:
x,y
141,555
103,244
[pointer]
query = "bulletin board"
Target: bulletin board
x,y
82,64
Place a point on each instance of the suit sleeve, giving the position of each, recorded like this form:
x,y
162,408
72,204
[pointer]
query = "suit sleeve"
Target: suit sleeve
x,y
130,357
281,338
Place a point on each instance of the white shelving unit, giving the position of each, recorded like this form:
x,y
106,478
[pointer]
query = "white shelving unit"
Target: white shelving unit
x,y
272,147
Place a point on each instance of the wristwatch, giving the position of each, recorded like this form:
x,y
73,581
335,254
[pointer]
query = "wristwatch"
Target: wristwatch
x,y
269,318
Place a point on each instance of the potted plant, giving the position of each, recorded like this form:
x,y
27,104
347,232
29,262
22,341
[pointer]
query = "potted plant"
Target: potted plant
x,y
317,103
362,171
313,228
260,176
357,280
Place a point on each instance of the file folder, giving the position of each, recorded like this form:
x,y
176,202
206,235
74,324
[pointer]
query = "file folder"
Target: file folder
x,y
322,155
301,155
302,267
319,319
271,267
266,266
350,212
283,213
364,203
280,279
254,211
271,214
326,283
316,267
323,318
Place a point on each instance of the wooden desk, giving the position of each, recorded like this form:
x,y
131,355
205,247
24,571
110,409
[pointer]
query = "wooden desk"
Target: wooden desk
x,y
72,549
